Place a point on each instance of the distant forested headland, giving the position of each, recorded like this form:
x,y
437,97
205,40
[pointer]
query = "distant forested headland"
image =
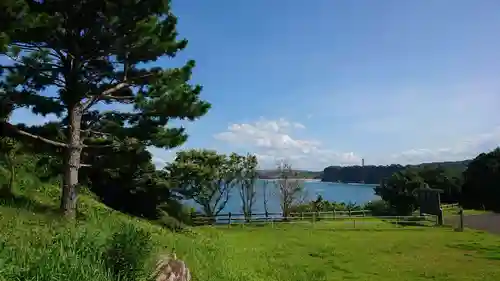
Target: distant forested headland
x,y
300,174
375,174
372,174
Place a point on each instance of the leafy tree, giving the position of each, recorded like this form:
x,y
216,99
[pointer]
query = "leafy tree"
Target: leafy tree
x,y
290,190
481,189
265,197
248,176
399,191
68,57
206,177
449,180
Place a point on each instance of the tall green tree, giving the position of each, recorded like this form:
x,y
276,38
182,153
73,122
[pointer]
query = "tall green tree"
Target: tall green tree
x,y
399,191
206,177
68,57
448,179
248,177
481,189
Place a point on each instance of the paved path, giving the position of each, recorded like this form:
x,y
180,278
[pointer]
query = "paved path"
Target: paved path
x,y
489,222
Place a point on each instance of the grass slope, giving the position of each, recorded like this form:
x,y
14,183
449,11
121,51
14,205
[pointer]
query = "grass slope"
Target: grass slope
x,y
37,245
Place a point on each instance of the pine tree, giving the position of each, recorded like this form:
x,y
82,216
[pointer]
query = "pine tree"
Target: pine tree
x,y
67,57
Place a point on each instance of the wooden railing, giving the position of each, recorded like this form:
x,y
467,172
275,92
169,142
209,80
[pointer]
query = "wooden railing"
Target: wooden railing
x,y
449,206
359,215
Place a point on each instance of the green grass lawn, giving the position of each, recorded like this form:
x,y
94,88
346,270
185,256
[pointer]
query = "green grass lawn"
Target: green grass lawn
x,y
44,247
294,252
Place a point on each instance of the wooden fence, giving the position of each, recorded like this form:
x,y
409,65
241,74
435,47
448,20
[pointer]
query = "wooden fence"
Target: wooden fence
x,y
353,216
291,216
449,206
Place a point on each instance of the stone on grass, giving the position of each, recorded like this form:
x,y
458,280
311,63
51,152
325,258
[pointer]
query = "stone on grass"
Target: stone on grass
x,y
169,268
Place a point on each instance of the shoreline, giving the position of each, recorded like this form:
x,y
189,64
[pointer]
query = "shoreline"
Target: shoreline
x,y
327,182
304,179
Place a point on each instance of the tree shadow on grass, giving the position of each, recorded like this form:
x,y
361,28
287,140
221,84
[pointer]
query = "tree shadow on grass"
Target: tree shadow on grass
x,y
412,223
490,252
22,202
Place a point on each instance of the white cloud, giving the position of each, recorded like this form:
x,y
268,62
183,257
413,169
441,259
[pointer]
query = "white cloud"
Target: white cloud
x,y
161,157
465,149
159,162
274,140
299,126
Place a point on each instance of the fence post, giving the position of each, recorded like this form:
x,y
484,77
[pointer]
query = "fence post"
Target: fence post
x,y
267,216
301,216
229,219
334,214
314,217
461,227
440,217
349,212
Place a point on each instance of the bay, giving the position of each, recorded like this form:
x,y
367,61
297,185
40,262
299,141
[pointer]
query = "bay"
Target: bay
x,y
338,192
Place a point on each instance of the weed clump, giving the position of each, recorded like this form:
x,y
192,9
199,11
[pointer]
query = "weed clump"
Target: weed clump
x,y
127,253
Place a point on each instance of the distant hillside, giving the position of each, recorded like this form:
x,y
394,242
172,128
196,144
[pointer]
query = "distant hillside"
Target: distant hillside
x,y
374,174
273,174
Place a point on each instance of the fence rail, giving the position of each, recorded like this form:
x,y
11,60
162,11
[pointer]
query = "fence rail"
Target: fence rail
x,y
264,216
353,217
449,206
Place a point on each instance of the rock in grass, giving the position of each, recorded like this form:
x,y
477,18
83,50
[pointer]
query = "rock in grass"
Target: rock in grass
x,y
169,268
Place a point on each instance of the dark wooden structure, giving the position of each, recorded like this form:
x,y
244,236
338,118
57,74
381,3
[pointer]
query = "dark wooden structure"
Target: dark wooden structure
x,y
430,202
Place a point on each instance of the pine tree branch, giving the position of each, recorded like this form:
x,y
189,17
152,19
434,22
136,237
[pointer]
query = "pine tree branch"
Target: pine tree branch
x,y
34,48
118,97
51,68
105,94
108,94
97,146
24,133
96,132
15,67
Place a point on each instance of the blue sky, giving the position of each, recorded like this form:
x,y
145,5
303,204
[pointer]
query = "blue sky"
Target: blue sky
x,y
330,82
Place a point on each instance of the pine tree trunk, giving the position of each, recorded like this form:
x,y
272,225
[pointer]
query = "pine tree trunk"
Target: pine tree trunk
x,y
71,165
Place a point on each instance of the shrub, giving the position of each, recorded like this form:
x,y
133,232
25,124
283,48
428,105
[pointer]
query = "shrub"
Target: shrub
x,y
127,253
379,208
177,210
171,223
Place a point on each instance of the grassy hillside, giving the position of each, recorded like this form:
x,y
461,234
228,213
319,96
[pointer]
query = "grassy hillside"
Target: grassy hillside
x,y
35,244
